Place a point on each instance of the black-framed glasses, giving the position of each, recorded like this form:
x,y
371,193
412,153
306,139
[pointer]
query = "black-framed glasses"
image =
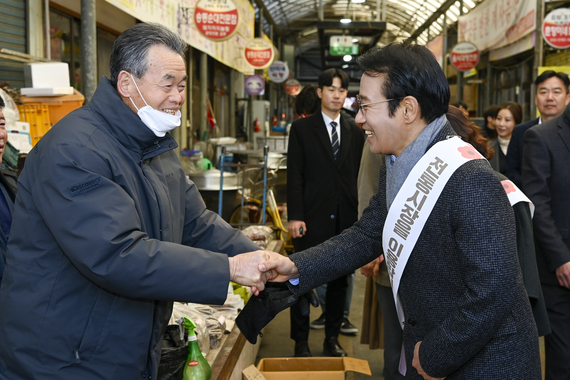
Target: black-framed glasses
x,y
362,107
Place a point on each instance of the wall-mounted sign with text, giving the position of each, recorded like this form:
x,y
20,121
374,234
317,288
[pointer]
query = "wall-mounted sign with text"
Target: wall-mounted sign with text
x,y
464,56
343,45
278,72
259,53
293,87
217,20
254,85
556,28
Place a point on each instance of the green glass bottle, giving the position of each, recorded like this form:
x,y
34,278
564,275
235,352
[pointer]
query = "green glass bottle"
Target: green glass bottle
x,y
196,367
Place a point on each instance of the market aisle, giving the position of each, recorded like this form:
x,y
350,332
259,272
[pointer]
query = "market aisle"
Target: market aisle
x,y
276,342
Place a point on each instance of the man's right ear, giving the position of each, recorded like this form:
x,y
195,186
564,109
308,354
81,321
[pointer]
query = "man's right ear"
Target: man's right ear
x,y
124,82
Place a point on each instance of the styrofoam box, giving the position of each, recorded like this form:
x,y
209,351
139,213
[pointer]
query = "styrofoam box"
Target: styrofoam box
x,y
46,74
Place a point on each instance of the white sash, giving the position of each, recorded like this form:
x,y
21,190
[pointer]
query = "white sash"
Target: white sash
x,y
415,201
515,195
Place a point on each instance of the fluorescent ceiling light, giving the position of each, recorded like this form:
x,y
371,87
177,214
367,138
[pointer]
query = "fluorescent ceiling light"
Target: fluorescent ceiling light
x,y
345,66
358,1
347,58
355,40
345,20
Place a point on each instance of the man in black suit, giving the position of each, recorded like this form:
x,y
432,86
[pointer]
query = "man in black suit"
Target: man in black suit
x,y
551,98
546,180
323,159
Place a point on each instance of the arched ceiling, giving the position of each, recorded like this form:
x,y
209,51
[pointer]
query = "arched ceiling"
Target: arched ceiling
x,y
297,22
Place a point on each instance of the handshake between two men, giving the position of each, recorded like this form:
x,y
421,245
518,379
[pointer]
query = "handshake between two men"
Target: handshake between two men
x,y
266,272
256,268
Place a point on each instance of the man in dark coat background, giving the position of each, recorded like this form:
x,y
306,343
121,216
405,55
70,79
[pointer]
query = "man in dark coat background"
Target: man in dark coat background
x,y
322,195
551,98
546,180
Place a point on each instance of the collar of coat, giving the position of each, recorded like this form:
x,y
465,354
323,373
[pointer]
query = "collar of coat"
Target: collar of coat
x,y
125,125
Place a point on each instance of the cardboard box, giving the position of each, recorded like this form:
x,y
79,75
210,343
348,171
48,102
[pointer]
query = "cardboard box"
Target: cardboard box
x,y
315,368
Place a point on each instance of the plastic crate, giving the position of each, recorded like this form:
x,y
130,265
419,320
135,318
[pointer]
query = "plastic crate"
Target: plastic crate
x,y
59,106
38,115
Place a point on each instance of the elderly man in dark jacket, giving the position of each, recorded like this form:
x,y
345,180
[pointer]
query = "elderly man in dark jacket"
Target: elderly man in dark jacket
x,y
108,231
458,286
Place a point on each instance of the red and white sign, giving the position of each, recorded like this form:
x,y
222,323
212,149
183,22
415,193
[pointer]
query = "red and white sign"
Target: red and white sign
x,y
259,53
556,28
464,56
293,87
216,19
278,72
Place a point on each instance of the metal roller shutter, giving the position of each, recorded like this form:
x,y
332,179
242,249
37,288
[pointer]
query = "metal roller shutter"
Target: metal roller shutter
x,y
13,37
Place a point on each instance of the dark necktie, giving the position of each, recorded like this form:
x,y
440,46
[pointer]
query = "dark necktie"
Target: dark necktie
x,y
335,144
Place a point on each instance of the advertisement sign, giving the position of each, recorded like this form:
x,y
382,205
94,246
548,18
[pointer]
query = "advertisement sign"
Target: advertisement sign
x,y
293,87
496,23
278,72
342,45
179,16
254,85
259,53
464,56
556,28
216,20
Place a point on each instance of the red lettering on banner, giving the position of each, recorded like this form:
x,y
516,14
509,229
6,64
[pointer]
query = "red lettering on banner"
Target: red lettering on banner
x,y
524,24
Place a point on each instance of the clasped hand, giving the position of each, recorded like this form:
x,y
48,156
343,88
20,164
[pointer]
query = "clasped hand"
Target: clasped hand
x,y
256,268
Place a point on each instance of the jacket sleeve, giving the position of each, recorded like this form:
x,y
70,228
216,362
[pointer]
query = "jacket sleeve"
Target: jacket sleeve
x,y
537,174
97,227
295,173
342,254
205,229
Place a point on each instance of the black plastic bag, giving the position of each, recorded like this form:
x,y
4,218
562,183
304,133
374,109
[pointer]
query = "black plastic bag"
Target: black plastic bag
x,y
173,355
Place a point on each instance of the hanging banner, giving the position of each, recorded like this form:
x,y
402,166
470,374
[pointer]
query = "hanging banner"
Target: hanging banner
x,y
259,53
436,47
278,72
464,56
293,87
180,16
496,23
215,19
254,85
556,28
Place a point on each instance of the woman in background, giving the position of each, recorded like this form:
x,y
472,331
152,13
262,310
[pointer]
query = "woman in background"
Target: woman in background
x,y
509,115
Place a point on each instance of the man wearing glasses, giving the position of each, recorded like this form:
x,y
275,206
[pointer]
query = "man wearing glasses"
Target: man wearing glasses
x,y
323,159
444,225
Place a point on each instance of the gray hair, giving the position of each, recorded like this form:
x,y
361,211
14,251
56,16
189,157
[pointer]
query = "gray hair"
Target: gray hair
x,y
130,49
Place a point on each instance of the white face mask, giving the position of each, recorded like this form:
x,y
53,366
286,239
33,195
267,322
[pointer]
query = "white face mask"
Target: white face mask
x,y
157,121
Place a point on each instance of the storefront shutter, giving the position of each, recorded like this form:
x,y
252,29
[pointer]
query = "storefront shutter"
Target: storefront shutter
x,y
13,37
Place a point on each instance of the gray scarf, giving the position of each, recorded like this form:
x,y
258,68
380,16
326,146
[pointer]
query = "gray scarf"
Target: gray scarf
x,y
397,169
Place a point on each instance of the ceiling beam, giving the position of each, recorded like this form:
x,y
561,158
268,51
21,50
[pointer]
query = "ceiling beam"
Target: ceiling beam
x,y
268,17
431,19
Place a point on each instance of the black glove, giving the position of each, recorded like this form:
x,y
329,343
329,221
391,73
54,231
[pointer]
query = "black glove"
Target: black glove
x,y
261,309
